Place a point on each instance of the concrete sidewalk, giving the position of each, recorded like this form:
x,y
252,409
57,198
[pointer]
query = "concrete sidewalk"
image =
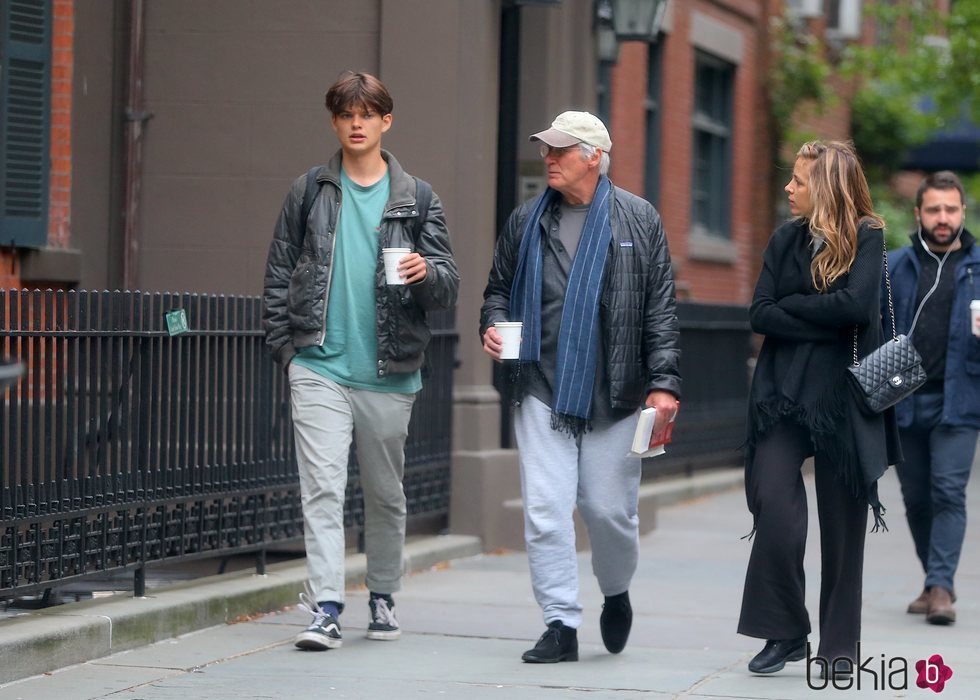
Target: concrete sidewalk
x,y
467,622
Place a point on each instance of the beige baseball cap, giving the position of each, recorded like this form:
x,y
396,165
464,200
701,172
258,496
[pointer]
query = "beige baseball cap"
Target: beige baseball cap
x,y
570,128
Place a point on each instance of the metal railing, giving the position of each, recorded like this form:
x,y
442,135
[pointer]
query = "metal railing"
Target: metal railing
x,y
716,349
124,445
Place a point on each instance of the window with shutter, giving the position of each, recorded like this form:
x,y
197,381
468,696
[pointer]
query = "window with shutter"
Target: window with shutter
x,y
25,78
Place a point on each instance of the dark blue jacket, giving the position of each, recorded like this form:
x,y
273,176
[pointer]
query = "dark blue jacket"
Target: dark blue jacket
x,y
961,387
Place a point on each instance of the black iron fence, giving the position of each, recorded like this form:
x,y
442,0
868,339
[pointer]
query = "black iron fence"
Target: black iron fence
x,y
125,444
716,348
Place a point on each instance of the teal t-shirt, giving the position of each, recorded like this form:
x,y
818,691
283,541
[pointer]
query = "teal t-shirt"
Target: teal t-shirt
x,y
349,352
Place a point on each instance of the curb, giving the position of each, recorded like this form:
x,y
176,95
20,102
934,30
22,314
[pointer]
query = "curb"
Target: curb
x,y
45,640
674,490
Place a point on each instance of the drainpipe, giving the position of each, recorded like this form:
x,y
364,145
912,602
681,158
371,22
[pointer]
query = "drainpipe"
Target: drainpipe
x,y
507,145
135,116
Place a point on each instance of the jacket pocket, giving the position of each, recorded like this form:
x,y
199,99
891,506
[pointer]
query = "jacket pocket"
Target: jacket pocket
x,y
412,332
304,303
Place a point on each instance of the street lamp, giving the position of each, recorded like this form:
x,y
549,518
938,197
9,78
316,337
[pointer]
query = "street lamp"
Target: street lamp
x,y
626,20
638,20
607,45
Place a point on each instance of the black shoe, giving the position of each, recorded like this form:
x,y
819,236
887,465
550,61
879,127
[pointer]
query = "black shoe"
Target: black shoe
x,y
616,621
776,653
558,643
843,668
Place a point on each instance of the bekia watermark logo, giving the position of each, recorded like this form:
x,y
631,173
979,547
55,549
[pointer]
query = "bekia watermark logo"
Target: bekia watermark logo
x,y
872,672
933,673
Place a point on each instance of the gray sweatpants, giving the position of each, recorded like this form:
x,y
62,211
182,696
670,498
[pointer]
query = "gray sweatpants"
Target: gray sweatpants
x,y
326,415
591,472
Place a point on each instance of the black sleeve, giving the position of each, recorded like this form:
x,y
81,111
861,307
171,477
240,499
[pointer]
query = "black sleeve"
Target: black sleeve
x,y
768,318
661,329
440,287
857,302
284,251
496,295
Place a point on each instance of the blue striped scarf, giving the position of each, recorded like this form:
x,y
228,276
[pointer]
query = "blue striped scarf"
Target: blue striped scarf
x,y
578,335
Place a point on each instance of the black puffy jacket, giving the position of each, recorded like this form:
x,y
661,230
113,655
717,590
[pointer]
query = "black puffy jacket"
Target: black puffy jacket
x,y
297,273
640,332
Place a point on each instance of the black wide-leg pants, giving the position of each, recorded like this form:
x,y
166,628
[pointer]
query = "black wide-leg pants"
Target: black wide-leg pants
x,y
773,605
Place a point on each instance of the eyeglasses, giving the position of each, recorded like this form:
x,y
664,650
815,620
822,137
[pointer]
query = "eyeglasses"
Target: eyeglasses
x,y
545,150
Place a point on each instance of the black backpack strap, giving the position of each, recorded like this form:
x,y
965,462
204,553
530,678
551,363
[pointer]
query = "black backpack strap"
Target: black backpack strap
x,y
310,194
423,198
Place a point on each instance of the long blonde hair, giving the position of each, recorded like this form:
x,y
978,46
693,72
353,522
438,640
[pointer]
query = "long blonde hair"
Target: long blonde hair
x,y
841,201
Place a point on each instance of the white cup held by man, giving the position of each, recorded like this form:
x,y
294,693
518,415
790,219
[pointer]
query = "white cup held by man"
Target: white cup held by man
x,y
975,317
510,335
393,256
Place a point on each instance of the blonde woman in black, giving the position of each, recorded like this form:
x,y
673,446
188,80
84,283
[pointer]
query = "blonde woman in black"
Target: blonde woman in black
x,y
821,279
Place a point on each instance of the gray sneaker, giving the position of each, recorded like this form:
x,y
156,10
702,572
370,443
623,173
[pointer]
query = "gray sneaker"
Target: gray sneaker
x,y
384,626
324,632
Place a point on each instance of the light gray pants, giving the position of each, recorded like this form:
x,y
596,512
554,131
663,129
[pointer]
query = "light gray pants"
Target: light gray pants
x,y
592,472
326,415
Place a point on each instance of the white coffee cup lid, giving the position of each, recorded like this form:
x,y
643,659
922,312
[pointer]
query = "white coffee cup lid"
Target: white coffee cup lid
x,y
396,250
508,324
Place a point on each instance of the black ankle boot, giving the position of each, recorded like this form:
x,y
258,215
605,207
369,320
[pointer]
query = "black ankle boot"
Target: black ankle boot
x,y
776,653
558,643
842,668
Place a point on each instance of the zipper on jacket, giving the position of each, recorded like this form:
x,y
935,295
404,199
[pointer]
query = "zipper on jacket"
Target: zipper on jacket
x,y
321,335
395,215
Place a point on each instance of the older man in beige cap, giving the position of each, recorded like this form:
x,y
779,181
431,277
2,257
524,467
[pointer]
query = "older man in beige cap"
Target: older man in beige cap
x,y
585,268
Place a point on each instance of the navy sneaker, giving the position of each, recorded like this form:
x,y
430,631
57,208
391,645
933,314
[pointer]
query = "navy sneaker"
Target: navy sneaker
x,y
323,632
383,626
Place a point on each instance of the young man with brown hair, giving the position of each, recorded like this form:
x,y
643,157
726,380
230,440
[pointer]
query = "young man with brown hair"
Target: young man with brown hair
x,y
353,345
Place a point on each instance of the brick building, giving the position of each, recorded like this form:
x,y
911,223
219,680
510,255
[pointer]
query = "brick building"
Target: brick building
x,y
153,141
693,107
714,212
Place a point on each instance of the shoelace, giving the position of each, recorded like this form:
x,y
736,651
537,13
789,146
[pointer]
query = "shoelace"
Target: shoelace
x,y
382,614
551,632
307,603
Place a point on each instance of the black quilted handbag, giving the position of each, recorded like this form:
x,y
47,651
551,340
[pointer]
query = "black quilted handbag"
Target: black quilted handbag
x,y
892,371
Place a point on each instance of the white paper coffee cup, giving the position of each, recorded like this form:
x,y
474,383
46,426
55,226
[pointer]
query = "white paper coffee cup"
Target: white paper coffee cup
x,y
975,317
392,256
510,334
